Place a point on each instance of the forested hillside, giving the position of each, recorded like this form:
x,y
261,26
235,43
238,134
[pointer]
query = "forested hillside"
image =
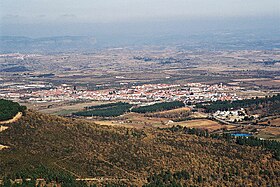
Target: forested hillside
x,y
159,107
54,148
106,110
264,106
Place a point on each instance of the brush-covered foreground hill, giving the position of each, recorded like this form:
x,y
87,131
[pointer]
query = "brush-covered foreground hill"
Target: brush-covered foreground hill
x,y
42,145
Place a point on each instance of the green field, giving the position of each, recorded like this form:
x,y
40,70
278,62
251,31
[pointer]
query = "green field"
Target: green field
x,y
159,107
271,104
106,110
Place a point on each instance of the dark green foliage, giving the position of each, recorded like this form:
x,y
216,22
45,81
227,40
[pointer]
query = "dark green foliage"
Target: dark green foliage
x,y
6,182
107,110
182,175
167,178
105,106
198,132
274,104
15,69
42,172
8,109
271,145
45,173
46,75
159,107
199,179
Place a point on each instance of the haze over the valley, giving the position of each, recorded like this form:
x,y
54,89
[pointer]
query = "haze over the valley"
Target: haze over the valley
x,y
120,23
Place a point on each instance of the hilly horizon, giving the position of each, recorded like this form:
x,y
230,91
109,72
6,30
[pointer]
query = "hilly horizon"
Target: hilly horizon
x,y
253,33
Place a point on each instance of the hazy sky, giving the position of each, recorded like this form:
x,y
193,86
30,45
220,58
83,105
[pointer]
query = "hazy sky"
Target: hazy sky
x,y
15,13
129,10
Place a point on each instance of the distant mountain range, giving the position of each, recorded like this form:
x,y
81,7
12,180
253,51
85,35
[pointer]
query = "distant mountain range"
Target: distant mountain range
x,y
237,40
46,44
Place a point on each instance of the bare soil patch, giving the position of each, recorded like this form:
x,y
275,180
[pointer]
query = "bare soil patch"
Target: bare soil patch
x,y
204,124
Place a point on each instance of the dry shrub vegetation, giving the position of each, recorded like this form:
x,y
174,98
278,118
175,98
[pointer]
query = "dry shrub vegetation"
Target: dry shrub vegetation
x,y
84,149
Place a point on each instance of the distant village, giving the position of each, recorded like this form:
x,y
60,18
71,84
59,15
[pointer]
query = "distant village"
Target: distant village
x,y
189,93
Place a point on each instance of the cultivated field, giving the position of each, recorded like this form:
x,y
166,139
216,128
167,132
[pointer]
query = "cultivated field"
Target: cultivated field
x,y
275,122
271,133
204,124
67,109
177,110
135,120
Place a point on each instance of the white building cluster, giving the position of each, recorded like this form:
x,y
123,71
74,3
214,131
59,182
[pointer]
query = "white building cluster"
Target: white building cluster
x,y
192,92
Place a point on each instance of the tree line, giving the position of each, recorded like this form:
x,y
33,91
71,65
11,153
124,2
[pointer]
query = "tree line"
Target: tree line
x,y
158,107
50,176
168,178
107,110
271,145
274,102
104,106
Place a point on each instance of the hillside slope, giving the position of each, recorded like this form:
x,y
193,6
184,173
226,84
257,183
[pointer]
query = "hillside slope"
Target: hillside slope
x,y
129,156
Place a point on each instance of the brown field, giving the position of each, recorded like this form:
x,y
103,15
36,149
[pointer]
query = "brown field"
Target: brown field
x,y
250,79
271,133
66,109
204,124
174,114
275,122
275,131
269,83
134,120
198,115
116,123
177,110
251,93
